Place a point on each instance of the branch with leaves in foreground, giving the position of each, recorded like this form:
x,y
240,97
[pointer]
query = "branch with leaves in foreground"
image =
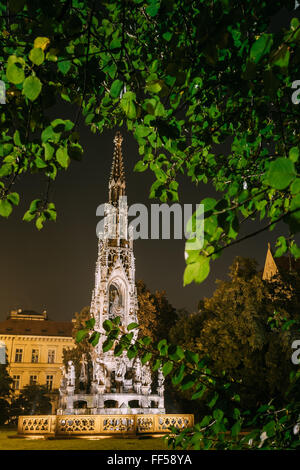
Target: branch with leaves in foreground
x,y
223,427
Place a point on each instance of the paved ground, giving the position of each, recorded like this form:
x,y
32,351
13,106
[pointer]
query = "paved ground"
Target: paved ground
x,y
7,443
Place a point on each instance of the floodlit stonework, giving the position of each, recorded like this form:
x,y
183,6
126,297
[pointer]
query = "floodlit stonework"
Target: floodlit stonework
x,y
120,386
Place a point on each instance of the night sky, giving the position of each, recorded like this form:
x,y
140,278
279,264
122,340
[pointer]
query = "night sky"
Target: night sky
x,y
54,269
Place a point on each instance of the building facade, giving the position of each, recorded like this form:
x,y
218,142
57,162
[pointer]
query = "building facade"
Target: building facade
x,y
34,349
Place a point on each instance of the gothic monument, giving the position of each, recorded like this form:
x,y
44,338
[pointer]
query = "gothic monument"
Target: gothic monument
x,y
119,385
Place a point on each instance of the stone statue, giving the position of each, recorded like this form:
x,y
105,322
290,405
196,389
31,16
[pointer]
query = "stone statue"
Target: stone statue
x,y
121,370
83,372
64,381
99,372
161,378
146,376
71,374
137,370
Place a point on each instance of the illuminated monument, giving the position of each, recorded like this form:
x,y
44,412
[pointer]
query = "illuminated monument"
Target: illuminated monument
x,y
122,398
119,385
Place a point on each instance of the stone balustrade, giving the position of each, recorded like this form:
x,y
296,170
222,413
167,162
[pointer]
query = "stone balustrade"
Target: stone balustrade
x,y
74,425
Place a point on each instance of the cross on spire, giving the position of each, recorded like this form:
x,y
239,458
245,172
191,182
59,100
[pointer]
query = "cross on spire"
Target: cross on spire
x,y
117,182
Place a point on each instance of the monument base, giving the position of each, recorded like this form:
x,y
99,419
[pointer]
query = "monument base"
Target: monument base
x,y
102,425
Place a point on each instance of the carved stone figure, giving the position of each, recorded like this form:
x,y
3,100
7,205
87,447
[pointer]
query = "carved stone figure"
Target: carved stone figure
x,y
63,382
137,368
146,376
161,378
71,374
99,372
83,378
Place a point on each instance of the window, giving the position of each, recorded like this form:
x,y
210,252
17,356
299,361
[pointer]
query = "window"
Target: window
x,y
33,380
49,382
19,355
16,383
51,356
35,355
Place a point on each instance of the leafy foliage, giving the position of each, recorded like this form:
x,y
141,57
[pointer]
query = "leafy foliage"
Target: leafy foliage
x,y
187,82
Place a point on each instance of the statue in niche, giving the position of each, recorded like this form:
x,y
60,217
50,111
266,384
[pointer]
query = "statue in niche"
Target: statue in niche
x,y
137,369
71,374
64,381
146,376
161,378
83,378
115,302
120,375
99,372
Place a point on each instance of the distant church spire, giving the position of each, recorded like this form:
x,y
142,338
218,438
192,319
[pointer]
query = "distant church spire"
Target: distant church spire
x,y
270,269
117,183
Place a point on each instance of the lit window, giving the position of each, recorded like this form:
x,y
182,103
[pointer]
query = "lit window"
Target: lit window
x,y
16,383
35,355
49,382
19,355
51,356
33,380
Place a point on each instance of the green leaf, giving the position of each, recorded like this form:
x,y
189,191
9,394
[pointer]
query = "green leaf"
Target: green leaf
x,y
49,150
280,173
116,88
62,157
167,368
14,198
132,326
17,139
28,216
37,56
32,87
197,272
294,154
188,382
94,339
127,104
282,57
153,8
132,352
90,323
15,73
178,375
261,47
146,358
5,208
140,166
81,334
236,428
64,66
39,223
5,169
107,345
154,86
108,325
295,186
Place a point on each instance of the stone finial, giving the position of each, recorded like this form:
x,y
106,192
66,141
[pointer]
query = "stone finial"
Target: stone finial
x,y
117,183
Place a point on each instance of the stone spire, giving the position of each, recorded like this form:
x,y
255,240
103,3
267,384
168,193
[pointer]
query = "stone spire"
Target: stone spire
x,y
117,177
270,269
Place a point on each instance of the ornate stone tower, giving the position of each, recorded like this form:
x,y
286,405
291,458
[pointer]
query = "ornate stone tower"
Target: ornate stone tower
x,y
119,385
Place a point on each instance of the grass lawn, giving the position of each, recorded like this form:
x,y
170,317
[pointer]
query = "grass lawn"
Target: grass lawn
x,y
77,444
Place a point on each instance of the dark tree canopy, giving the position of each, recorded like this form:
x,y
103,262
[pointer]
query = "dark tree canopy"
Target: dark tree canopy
x,y
243,330
208,89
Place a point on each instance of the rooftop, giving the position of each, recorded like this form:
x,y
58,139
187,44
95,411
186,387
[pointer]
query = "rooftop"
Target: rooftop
x,y
36,328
